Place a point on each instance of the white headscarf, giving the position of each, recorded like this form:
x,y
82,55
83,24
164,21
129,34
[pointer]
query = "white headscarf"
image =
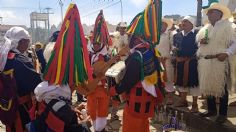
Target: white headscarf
x,y
46,92
11,39
48,50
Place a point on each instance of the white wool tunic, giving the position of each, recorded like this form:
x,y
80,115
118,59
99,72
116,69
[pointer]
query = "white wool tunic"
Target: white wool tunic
x,y
214,74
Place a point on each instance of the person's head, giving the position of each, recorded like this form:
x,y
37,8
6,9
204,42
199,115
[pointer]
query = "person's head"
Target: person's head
x,y
23,45
54,36
214,15
15,38
188,23
122,28
166,24
38,45
46,92
134,40
216,12
19,37
163,27
97,46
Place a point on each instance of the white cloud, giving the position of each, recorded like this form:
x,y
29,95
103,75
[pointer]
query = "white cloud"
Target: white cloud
x,y
139,3
8,14
11,18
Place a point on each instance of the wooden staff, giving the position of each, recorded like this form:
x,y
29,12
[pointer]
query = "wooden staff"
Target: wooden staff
x,y
35,60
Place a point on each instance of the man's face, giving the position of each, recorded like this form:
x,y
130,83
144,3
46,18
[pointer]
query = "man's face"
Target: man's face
x,y
214,15
163,27
122,30
187,25
23,45
96,47
37,47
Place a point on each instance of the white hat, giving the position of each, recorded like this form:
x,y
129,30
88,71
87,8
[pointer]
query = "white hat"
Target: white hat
x,y
190,19
15,34
45,91
123,24
169,22
225,10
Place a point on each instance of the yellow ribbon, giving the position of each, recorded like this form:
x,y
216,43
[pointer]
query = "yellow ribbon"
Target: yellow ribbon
x,y
60,54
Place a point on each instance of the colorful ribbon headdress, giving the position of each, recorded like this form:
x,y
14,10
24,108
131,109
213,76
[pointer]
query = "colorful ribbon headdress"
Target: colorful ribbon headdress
x,y
69,61
148,23
101,34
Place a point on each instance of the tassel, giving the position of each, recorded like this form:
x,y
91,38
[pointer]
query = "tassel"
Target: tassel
x,y
69,62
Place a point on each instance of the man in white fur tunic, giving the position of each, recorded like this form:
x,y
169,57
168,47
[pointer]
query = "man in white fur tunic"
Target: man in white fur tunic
x,y
217,46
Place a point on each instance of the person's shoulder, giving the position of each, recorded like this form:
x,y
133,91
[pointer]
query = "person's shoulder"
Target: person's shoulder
x,y
20,58
178,35
133,57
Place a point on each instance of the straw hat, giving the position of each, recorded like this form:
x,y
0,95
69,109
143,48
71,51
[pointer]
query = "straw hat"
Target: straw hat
x,y
169,22
39,44
216,6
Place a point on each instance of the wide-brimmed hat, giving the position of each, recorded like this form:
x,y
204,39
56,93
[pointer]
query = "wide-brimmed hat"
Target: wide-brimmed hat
x,y
39,44
123,24
169,22
216,6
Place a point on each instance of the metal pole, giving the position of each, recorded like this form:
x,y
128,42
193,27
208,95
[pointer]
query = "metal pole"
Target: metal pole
x,y
61,4
0,20
121,10
48,8
199,13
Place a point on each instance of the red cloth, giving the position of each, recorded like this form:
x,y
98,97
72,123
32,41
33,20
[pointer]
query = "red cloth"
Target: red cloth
x,y
133,123
98,103
112,91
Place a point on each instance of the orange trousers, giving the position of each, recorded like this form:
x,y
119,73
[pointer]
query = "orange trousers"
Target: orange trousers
x,y
98,103
134,124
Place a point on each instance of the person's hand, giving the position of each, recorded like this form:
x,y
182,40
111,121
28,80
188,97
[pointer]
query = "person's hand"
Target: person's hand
x,y
175,49
82,89
222,56
117,57
204,41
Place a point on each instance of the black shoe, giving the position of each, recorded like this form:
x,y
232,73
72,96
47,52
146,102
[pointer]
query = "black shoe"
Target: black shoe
x,y
208,114
221,119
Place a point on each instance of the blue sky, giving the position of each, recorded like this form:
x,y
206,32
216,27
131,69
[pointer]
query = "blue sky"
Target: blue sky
x,y
17,11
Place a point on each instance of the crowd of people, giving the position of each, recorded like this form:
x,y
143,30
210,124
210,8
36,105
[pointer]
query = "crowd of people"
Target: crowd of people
x,y
188,61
